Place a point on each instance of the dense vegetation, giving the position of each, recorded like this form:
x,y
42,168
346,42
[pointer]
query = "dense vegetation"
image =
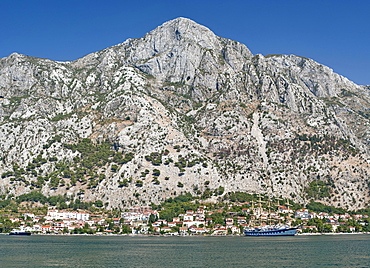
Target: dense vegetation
x,y
319,189
61,202
174,206
319,207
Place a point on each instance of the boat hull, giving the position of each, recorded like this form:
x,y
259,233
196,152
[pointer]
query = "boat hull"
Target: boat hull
x,y
19,233
271,232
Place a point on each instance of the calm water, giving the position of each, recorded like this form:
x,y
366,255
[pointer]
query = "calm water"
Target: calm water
x,y
122,251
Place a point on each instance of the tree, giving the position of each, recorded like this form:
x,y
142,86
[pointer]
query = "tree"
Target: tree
x,y
220,190
327,228
98,203
156,172
123,183
126,229
152,218
63,205
167,214
114,168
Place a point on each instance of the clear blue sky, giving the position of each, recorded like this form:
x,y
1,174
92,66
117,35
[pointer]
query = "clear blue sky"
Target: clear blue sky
x,y
333,32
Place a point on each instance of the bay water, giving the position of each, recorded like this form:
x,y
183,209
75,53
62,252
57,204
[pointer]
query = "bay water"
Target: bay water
x,y
193,251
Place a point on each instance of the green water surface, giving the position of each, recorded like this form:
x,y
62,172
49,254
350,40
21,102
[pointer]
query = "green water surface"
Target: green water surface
x,y
124,251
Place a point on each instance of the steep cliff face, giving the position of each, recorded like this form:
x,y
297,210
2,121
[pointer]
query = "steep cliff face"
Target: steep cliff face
x,y
182,110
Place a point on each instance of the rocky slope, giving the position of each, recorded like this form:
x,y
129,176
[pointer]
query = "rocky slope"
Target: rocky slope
x,y
182,110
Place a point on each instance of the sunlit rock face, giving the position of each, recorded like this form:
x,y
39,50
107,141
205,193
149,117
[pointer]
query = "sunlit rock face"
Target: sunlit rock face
x,y
182,110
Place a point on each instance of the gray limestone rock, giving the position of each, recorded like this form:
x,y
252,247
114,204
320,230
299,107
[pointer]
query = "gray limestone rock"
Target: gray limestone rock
x,y
190,107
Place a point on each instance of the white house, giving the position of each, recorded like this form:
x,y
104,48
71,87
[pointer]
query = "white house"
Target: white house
x,y
62,215
188,217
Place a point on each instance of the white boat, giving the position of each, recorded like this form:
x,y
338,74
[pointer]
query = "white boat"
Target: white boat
x,y
19,232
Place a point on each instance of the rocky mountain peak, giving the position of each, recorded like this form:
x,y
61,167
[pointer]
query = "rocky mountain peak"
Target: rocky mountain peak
x,y
178,51
181,30
182,51
182,110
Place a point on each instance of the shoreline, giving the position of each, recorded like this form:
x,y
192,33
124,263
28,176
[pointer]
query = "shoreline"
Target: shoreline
x,y
355,233
187,235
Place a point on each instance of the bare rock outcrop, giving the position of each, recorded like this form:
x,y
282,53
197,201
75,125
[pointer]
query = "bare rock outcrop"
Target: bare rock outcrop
x,y
182,110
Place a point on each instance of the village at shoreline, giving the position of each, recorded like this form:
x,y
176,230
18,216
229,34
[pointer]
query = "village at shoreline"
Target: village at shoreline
x,y
145,221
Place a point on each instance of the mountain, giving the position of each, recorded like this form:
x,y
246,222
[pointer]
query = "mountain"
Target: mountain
x,y
182,110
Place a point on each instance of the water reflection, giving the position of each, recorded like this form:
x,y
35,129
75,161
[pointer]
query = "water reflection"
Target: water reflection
x,y
123,251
